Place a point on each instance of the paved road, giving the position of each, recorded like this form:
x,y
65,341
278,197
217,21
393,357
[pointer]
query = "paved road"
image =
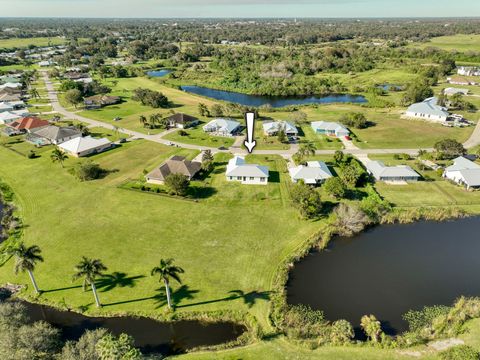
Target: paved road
x,y
349,148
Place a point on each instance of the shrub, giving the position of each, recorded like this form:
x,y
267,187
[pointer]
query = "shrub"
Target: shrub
x,y
461,352
306,200
349,220
302,322
356,120
341,332
335,187
177,184
88,170
151,98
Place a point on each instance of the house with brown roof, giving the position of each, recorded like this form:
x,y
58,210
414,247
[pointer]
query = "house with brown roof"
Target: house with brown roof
x,y
174,165
182,121
99,101
28,124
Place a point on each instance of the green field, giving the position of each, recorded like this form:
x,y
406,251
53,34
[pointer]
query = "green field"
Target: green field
x,y
196,136
461,42
18,43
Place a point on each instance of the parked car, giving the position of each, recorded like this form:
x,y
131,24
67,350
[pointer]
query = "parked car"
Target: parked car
x,y
348,138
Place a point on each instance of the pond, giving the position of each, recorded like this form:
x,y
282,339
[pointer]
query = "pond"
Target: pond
x,y
273,101
158,73
389,270
150,336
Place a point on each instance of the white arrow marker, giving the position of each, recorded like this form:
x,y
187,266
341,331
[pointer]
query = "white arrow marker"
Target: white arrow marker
x,y
250,120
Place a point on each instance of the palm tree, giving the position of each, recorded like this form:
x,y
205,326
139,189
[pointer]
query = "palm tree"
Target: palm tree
x,y
58,156
371,326
26,259
89,269
167,271
308,148
34,93
143,120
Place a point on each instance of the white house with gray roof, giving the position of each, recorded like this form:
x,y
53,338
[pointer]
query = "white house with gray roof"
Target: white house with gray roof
x,y
399,173
272,128
329,128
428,110
84,146
250,174
314,173
453,91
222,127
464,172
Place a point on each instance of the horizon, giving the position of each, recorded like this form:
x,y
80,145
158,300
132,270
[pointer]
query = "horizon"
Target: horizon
x,y
241,9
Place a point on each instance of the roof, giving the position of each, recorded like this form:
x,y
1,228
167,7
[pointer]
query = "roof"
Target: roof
x,y
56,132
222,125
471,176
328,126
237,167
275,126
102,99
11,85
429,107
180,118
28,123
461,163
81,144
175,165
379,170
452,91
312,173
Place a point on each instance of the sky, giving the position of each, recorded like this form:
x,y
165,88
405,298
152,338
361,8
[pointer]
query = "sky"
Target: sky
x,y
239,8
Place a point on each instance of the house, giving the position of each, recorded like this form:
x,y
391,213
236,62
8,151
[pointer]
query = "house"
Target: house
x,y
329,129
53,135
182,121
452,91
468,70
75,75
11,86
45,63
399,173
222,127
250,174
5,106
174,165
462,80
28,124
272,128
314,173
10,94
464,172
428,110
7,117
84,146
99,101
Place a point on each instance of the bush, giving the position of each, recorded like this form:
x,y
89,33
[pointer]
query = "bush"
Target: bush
x,y
88,170
306,200
177,184
302,322
335,187
151,98
461,352
356,120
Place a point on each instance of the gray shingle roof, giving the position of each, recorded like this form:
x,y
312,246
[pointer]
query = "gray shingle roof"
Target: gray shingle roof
x,y
379,170
56,132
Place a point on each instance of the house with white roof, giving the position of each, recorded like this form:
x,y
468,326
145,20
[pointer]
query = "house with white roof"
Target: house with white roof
x,y
84,146
464,172
399,173
222,127
250,174
314,173
452,91
7,117
273,127
11,85
428,110
329,128
468,70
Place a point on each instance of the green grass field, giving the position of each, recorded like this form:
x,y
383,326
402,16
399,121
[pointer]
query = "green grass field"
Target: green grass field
x,y
196,136
17,43
460,42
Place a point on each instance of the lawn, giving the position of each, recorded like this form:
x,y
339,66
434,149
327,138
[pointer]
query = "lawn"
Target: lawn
x,y
196,136
17,43
99,132
131,231
460,42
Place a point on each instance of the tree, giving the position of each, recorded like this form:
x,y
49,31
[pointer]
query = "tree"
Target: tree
x,y
372,327
338,157
298,117
143,120
26,259
89,269
335,187
59,156
350,220
87,170
207,160
449,149
177,183
34,93
356,120
307,148
85,348
281,135
203,110
166,271
110,347
417,92
306,200
216,110
341,332
74,97
350,174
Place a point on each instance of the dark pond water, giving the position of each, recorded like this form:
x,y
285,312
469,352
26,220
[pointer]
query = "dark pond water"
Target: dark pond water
x,y
389,270
150,336
159,73
274,101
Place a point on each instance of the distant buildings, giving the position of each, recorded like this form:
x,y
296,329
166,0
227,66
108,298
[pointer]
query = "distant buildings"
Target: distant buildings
x,y
181,121
462,80
468,70
330,129
99,101
452,91
249,174
272,128
464,172
428,110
